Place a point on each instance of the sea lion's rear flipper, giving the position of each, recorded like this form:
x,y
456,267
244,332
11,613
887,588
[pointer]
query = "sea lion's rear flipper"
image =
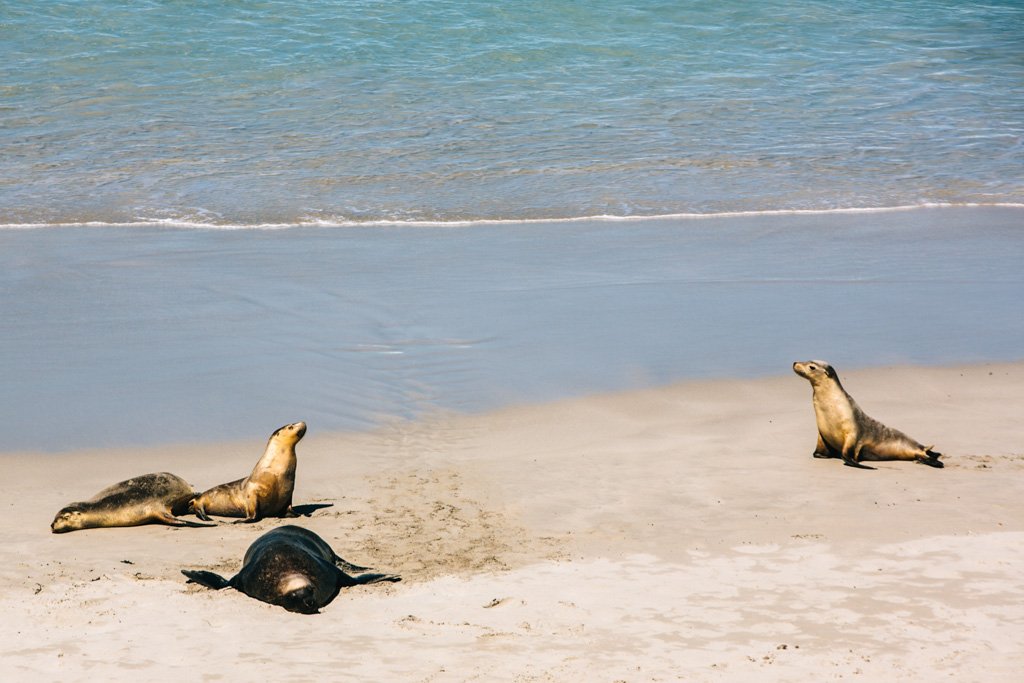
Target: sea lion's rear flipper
x,y
933,458
930,458
170,520
195,525
204,578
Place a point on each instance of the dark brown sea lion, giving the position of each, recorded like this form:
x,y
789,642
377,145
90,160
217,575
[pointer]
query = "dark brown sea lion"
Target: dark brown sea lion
x,y
293,568
266,492
148,499
844,431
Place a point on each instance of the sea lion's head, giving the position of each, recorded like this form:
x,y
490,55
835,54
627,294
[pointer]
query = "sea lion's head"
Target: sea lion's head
x,y
816,371
68,519
297,594
290,434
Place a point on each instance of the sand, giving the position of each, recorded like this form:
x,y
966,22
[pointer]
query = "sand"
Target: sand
x,y
676,533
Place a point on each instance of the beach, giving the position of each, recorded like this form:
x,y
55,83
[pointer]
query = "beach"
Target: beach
x,y
580,444
674,533
534,275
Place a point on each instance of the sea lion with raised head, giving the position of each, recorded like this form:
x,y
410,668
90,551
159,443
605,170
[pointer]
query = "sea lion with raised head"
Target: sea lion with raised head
x,y
293,568
266,492
148,499
844,431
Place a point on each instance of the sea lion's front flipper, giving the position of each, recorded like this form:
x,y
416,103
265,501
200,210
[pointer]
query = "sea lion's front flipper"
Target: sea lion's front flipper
x,y
348,566
208,579
199,511
373,578
823,450
851,454
859,466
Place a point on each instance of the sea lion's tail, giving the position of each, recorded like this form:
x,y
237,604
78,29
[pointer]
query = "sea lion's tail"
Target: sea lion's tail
x,y
204,578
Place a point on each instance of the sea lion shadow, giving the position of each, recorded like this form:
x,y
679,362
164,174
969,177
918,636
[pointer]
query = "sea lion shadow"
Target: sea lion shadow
x,y
308,509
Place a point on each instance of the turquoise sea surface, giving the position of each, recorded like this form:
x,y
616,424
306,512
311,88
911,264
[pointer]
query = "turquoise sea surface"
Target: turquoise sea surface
x,y
248,112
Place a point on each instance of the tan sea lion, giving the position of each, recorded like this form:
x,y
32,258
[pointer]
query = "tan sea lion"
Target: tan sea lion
x,y
844,431
148,499
266,492
291,567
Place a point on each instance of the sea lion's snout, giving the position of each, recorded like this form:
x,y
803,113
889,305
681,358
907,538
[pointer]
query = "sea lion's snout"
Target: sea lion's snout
x,y
65,521
296,429
301,600
813,370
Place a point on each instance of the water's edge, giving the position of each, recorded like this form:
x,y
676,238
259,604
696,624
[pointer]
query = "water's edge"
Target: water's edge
x,y
130,334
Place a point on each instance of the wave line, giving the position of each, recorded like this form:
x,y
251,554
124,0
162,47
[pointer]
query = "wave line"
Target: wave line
x,y
479,222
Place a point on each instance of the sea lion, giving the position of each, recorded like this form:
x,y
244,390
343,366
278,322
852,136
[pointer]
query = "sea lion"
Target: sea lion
x,y
293,568
149,499
844,431
266,492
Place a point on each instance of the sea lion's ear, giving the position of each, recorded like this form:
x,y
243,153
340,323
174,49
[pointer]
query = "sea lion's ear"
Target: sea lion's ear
x,y
831,372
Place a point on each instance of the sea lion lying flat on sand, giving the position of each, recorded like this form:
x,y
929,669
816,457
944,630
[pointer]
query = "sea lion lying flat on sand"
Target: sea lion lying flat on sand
x,y
149,499
291,567
266,492
844,431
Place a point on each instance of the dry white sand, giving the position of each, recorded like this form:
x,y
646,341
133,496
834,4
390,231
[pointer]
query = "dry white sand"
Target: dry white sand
x,y
680,533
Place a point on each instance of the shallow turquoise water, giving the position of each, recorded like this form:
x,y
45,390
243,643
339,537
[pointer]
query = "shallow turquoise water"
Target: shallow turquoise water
x,y
254,112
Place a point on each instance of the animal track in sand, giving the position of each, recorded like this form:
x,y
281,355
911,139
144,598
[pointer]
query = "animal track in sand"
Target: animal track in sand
x,y
422,524
985,462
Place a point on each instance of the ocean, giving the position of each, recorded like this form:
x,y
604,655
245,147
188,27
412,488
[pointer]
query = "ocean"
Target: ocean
x,y
220,217
322,112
